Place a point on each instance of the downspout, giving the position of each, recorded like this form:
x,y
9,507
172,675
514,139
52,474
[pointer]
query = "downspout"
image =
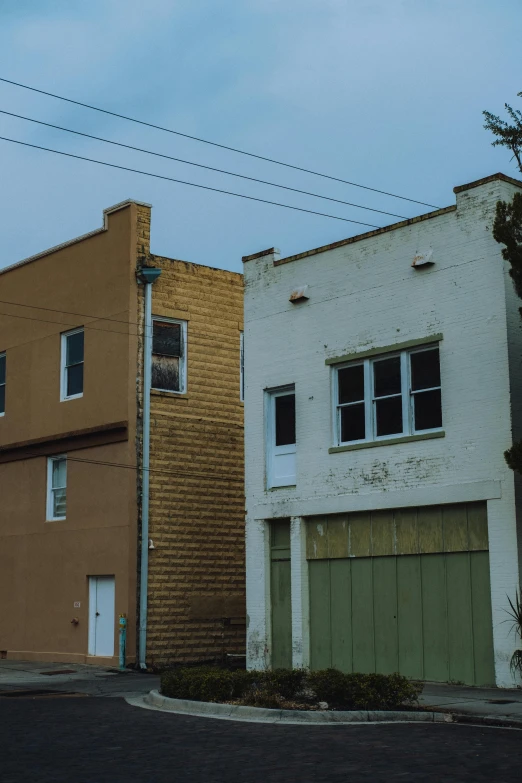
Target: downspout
x,y
147,275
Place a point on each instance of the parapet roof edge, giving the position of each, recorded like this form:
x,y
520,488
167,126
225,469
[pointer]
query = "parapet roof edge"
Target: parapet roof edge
x,y
392,227
366,235
104,227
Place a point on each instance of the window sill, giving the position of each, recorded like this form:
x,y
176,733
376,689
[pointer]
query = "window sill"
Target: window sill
x,y
388,442
72,397
56,519
283,486
165,393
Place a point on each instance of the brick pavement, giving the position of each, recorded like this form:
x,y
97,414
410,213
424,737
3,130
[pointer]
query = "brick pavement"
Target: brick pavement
x,y
88,740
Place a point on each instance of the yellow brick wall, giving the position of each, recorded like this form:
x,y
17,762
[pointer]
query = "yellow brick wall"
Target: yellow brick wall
x,y
196,570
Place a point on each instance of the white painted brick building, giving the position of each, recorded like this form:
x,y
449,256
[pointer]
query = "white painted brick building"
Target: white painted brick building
x,y
359,301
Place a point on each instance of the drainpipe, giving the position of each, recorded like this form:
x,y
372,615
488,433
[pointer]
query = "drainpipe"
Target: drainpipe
x,y
147,275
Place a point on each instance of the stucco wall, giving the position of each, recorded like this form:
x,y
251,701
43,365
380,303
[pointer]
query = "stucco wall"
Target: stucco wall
x,y
44,566
364,295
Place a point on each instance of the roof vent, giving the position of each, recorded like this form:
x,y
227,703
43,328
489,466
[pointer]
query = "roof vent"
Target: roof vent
x,y
299,294
422,259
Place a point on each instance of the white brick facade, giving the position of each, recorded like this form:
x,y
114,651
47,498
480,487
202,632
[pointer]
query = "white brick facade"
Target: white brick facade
x,y
364,294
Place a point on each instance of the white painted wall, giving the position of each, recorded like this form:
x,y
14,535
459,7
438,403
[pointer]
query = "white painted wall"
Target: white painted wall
x,y
365,295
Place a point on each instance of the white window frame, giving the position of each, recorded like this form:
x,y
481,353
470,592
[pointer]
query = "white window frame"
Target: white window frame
x,y
408,421
3,355
63,365
270,447
50,489
241,366
183,357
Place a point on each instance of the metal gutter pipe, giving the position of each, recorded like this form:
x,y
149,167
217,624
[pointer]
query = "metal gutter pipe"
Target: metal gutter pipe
x,y
147,275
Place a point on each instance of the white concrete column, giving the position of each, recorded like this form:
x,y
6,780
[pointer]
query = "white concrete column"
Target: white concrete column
x,y
300,594
258,594
505,579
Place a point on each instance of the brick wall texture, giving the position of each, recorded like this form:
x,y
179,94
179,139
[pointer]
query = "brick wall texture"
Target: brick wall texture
x,y
196,607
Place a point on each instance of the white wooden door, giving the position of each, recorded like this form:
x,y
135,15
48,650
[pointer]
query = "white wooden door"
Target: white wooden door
x,y
281,446
101,615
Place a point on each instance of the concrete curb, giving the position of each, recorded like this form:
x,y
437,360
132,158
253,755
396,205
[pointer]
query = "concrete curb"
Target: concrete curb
x,y
154,700
504,721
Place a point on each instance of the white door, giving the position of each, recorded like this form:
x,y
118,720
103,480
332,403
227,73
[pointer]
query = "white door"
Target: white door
x,y
281,447
101,615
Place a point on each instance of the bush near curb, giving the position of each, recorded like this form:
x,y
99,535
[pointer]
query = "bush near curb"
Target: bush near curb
x,y
267,688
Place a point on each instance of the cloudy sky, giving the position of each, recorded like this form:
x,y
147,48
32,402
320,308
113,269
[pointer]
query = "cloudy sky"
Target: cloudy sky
x,y
384,93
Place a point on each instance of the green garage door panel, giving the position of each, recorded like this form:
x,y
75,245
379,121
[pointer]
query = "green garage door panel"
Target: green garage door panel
x,y
280,593
426,616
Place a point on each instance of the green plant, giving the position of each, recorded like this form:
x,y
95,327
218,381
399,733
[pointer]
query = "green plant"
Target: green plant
x,y
363,691
272,688
515,613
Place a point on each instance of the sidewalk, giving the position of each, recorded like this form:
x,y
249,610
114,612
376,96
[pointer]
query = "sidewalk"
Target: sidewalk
x,y
487,705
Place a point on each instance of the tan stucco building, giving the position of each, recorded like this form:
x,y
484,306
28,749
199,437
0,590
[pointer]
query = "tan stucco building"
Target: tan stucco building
x,y
87,457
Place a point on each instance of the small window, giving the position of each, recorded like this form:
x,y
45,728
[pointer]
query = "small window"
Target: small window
x,y
2,382
388,396
72,364
56,487
241,366
169,338
281,439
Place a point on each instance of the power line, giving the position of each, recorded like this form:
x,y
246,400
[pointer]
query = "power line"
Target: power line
x,y
214,144
200,165
191,338
138,468
183,182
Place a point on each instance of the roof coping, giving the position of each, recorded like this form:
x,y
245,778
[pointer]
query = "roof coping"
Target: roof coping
x,y
106,212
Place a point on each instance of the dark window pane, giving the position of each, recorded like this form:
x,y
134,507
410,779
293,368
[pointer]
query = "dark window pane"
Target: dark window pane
x,y
428,410
2,369
165,373
389,416
166,339
351,384
387,376
425,369
2,399
74,348
285,420
74,380
352,423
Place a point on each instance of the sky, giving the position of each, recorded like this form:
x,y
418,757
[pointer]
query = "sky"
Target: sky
x,y
383,93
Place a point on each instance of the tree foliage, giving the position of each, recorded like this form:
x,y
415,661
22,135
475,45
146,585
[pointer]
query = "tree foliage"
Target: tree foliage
x,y
507,227
507,135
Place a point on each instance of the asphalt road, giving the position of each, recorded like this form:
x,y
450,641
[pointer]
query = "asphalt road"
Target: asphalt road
x,y
101,740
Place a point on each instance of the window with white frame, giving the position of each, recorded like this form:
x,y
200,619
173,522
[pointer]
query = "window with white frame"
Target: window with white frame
x,y
280,439
3,362
169,355
388,396
56,487
241,366
72,364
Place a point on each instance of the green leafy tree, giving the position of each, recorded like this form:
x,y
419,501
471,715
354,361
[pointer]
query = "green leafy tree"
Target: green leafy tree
x,y
507,227
507,135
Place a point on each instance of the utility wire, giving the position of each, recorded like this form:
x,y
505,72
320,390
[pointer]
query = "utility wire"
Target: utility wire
x,y
183,182
214,144
192,338
199,165
138,468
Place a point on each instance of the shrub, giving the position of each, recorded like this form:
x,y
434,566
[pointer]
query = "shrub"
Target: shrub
x,y
363,691
270,688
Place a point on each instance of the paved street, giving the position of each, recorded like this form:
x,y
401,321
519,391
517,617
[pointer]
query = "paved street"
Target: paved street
x,y
102,740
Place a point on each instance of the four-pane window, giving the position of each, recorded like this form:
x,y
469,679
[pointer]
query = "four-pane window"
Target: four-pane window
x,y
388,396
2,382
56,487
72,364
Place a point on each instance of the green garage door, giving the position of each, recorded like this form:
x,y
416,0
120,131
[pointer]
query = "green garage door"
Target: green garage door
x,y
425,614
